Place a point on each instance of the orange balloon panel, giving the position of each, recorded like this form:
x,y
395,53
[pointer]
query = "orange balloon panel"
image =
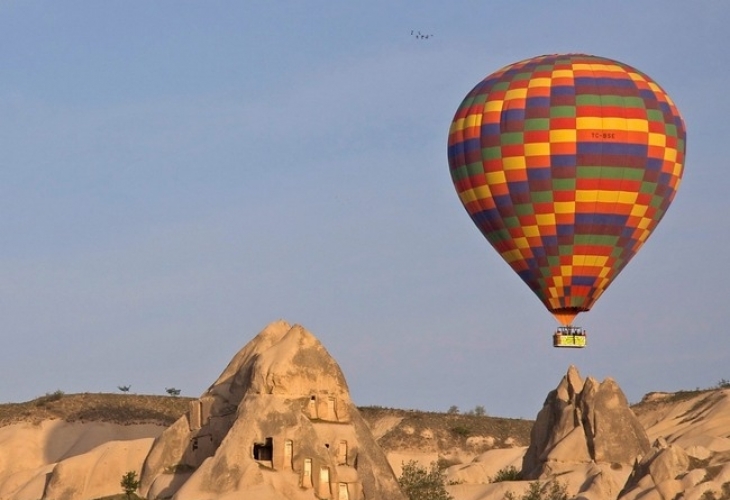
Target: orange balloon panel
x,y
566,164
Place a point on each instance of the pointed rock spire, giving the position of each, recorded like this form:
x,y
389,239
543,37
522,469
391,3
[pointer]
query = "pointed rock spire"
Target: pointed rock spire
x,y
582,422
277,423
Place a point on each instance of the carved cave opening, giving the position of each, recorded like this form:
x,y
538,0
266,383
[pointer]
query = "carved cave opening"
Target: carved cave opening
x,y
264,451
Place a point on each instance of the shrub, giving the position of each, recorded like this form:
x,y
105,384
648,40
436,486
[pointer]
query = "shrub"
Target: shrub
x,y
480,411
541,491
506,474
419,483
557,491
461,431
50,397
172,391
444,463
551,491
453,410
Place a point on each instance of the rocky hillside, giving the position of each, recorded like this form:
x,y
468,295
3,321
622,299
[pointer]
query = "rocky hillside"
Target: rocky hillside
x,y
277,423
694,421
125,409
394,429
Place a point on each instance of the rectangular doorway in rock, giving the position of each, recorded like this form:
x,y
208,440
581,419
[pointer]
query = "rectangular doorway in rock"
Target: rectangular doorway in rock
x,y
264,451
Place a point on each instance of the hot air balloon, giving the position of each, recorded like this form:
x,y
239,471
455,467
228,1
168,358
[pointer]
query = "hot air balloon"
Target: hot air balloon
x,y
566,163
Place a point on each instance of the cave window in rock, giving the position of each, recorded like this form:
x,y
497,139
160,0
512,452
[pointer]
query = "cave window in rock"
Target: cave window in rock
x,y
205,407
288,453
264,451
343,494
331,410
313,406
195,412
195,443
342,453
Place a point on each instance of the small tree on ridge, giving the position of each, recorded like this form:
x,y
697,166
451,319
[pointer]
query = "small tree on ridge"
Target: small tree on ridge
x,y
129,483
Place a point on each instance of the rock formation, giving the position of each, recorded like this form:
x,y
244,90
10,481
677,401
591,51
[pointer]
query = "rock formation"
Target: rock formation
x,y
57,460
584,422
97,473
691,452
658,470
277,424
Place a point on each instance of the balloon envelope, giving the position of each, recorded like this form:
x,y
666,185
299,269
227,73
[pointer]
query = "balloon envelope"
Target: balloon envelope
x,y
566,164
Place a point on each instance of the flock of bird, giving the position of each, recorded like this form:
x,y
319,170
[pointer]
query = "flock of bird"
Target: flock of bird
x,y
419,36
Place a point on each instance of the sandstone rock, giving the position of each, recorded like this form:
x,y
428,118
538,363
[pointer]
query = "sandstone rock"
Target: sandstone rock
x,y
97,473
693,478
598,486
485,467
669,489
662,469
614,434
583,422
668,463
32,457
698,420
278,423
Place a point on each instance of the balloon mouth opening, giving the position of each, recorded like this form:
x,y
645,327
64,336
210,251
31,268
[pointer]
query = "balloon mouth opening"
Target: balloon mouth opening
x,y
566,315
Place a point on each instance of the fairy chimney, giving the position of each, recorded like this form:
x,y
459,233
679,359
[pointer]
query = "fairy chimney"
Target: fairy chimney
x,y
277,423
583,422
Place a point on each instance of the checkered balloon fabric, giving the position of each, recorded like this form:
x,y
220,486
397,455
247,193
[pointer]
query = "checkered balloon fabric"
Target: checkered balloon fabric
x,y
566,163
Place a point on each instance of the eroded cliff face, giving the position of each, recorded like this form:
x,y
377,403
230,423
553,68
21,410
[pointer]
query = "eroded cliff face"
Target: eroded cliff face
x,y
584,422
278,422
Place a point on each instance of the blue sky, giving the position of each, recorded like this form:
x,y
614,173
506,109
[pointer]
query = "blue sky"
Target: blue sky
x,y
175,175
